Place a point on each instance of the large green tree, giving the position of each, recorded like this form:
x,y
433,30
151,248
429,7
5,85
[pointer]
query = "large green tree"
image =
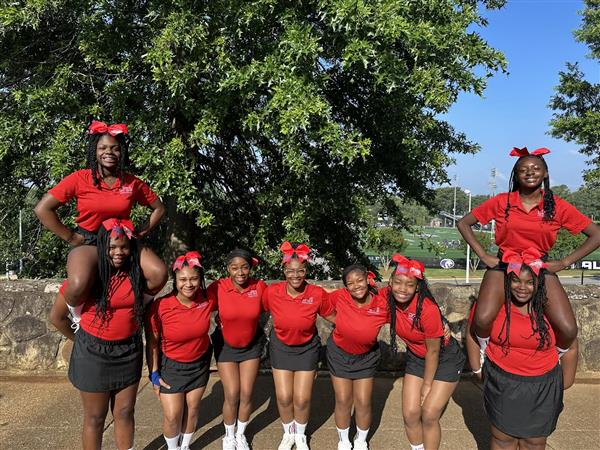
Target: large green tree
x,y
577,100
256,121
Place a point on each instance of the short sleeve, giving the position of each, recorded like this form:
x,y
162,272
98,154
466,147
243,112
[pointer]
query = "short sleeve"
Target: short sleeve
x,y
326,307
431,321
487,211
570,217
143,194
154,317
265,298
66,188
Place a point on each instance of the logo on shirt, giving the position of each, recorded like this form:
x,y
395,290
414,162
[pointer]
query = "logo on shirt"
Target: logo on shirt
x,y
540,213
252,293
377,311
126,190
201,305
307,301
411,316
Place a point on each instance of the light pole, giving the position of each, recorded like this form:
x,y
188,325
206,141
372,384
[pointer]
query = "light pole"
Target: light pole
x,y
454,204
467,191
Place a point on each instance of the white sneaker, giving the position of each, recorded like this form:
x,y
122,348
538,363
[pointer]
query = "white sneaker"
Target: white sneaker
x,y
361,445
287,442
241,443
229,443
344,445
301,444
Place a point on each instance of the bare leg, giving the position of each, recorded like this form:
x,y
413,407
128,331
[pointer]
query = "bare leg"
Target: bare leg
x,y
192,409
173,405
343,389
230,377
123,414
502,441
154,269
363,393
82,266
431,411
303,384
537,443
284,392
559,312
489,302
411,408
95,409
248,373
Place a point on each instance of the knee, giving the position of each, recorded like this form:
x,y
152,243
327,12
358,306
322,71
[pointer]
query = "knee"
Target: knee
x,y
362,403
411,416
172,419
568,330
95,419
285,401
301,403
505,442
232,398
532,443
343,401
78,284
156,276
430,416
124,412
245,398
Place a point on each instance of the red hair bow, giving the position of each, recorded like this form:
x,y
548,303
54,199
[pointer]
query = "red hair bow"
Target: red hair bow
x,y
119,227
98,127
524,152
193,259
408,267
530,257
371,279
301,251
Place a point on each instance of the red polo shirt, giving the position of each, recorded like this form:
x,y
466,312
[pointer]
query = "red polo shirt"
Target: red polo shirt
x,y
356,328
183,330
95,204
239,312
528,229
522,356
294,318
120,321
431,322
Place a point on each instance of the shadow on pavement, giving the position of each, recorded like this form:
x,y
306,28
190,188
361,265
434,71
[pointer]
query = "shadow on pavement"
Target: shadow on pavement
x,y
469,397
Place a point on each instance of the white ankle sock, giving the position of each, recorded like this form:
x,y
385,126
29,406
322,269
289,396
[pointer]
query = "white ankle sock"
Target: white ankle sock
x,y
343,434
172,442
229,430
361,435
288,428
417,447
300,428
186,439
241,427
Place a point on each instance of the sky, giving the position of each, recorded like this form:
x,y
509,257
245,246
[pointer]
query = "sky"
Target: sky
x,y
536,37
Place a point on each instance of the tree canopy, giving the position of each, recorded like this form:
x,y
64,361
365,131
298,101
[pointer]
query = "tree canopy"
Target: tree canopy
x,y
256,121
577,101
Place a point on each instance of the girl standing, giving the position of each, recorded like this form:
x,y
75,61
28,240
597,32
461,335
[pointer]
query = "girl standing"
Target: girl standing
x,y
102,191
353,352
530,215
178,350
523,380
294,342
433,363
237,342
106,360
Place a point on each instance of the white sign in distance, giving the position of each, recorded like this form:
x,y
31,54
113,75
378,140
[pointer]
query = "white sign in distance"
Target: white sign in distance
x,y
447,263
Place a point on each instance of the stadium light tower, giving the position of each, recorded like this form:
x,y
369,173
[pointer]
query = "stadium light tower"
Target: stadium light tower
x,y
468,192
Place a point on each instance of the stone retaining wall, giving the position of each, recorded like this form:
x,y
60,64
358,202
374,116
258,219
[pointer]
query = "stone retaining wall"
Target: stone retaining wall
x,y
29,344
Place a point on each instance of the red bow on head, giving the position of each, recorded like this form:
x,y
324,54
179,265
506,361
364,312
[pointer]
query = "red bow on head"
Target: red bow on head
x,y
524,152
530,257
371,279
97,127
193,259
119,227
408,267
301,251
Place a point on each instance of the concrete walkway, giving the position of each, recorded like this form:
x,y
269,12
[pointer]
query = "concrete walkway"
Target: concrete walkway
x,y
45,413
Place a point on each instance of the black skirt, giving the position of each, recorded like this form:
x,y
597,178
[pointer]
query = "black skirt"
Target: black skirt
x,y
226,353
89,238
522,406
303,357
185,376
450,365
102,366
350,366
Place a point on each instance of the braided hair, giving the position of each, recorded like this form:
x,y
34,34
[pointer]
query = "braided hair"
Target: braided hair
x,y
513,185
422,293
199,270
358,268
102,289
535,308
92,161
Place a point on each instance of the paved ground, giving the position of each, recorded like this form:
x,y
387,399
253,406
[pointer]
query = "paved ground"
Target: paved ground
x,y
45,413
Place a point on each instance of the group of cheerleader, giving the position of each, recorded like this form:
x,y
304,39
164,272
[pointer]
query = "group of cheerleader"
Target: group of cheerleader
x,y
108,300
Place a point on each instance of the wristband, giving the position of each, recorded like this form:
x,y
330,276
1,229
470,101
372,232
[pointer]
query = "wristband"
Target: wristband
x,y
477,371
155,378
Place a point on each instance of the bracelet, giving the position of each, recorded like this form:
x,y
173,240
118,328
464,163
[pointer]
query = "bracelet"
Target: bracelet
x,y
477,371
155,378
